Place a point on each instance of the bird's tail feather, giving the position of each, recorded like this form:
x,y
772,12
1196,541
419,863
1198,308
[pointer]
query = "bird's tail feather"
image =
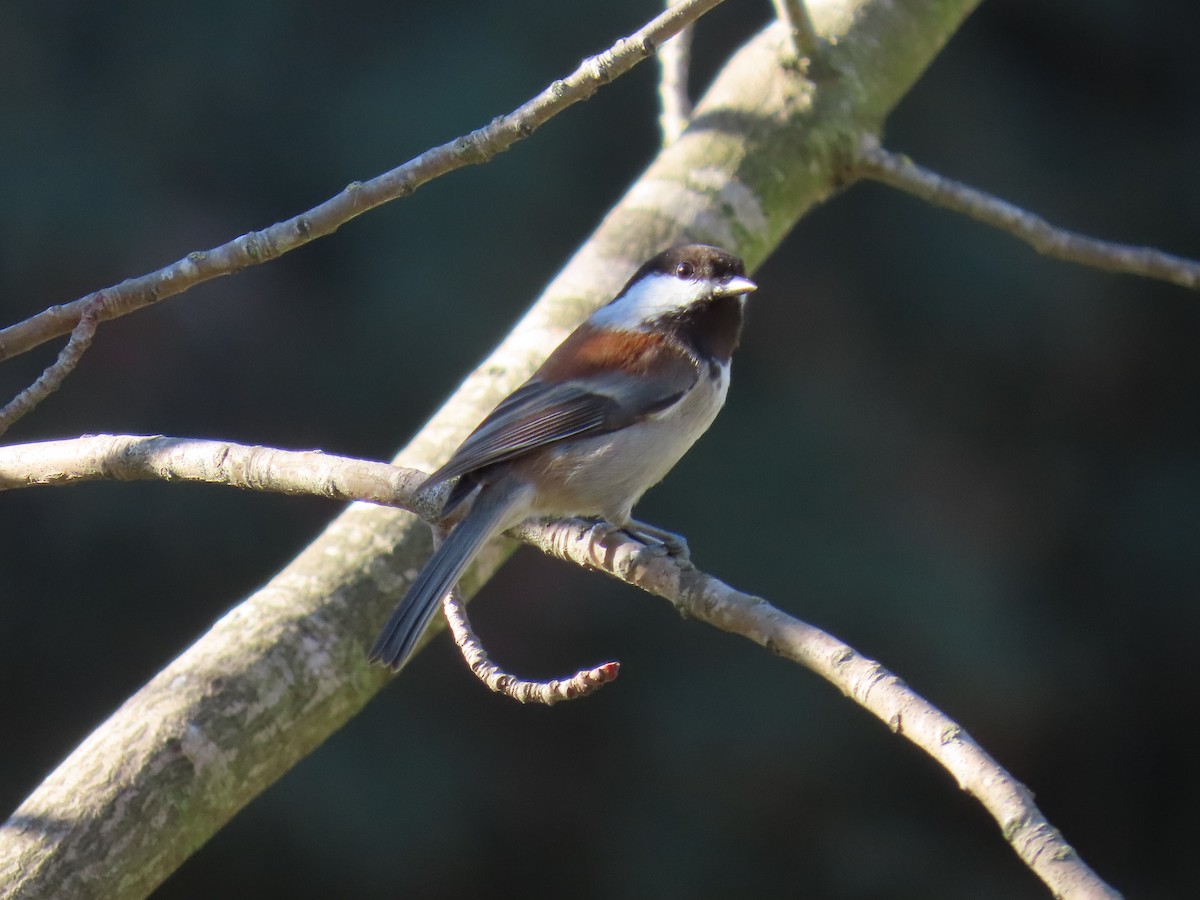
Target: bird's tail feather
x,y
412,616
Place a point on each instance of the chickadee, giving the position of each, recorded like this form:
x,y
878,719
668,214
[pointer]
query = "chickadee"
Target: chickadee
x,y
605,418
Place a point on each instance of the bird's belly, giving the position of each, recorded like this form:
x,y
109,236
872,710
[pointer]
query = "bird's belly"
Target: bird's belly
x,y
607,474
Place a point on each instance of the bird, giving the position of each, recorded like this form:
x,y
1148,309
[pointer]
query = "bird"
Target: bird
x,y
603,419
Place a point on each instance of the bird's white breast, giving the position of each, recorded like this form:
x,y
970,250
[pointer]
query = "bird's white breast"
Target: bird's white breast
x,y
606,475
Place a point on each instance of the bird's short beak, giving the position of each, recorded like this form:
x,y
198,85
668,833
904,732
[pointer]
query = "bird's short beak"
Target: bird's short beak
x,y
736,285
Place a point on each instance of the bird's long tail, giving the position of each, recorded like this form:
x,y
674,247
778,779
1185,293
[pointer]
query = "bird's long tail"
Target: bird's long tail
x,y
413,614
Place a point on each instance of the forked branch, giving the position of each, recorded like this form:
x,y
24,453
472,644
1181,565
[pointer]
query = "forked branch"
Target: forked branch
x,y
50,379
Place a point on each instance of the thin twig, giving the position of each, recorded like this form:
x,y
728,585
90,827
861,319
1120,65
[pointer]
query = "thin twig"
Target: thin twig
x,y
675,104
694,593
474,148
1059,243
582,683
794,14
50,379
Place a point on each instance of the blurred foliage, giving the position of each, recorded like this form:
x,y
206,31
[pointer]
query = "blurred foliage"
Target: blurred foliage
x,y
979,466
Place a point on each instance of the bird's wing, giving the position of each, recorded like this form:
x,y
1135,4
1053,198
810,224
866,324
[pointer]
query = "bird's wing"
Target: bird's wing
x,y
543,410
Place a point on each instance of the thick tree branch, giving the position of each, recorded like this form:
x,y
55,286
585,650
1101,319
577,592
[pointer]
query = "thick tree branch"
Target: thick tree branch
x,y
1059,243
256,247
695,594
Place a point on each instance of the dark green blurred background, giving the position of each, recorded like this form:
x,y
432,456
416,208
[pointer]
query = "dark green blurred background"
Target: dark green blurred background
x,y
979,466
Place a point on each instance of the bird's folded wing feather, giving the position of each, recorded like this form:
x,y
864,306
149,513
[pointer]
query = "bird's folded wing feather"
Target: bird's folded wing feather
x,y
541,411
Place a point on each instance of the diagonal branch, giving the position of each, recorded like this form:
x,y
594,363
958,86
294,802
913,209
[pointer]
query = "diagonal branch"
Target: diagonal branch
x,y
694,593
255,247
698,595
1059,243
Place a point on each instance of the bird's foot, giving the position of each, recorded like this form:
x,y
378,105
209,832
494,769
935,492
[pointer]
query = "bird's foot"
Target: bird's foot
x,y
655,541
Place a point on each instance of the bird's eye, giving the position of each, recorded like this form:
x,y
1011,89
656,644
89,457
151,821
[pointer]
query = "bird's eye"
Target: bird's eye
x,y
684,270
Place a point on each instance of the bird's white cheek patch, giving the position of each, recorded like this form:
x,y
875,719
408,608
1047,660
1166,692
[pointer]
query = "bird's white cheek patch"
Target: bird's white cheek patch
x,y
649,299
